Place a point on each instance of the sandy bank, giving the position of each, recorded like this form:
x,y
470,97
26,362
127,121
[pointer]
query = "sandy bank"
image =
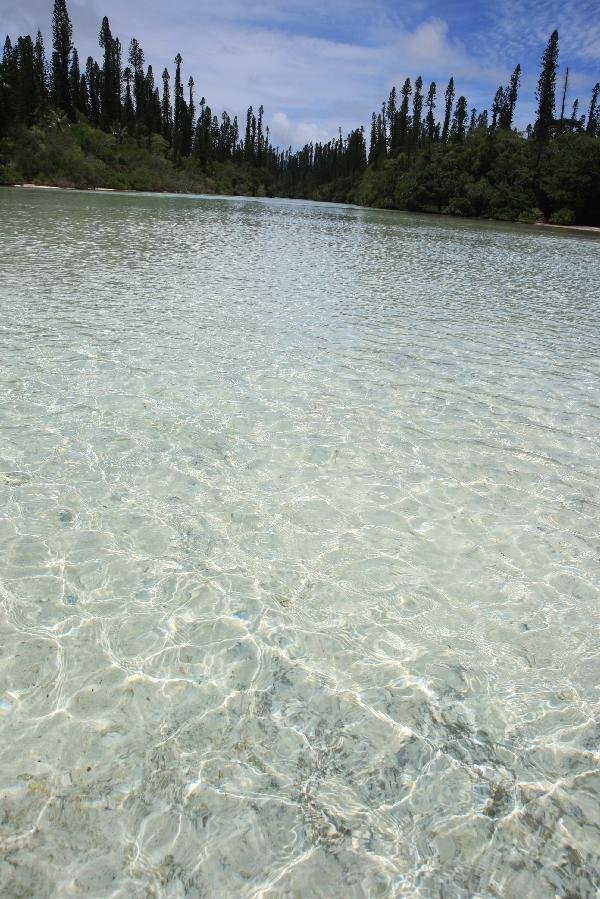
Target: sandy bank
x,y
570,227
110,190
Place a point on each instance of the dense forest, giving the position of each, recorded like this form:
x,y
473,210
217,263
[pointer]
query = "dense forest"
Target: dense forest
x,y
107,123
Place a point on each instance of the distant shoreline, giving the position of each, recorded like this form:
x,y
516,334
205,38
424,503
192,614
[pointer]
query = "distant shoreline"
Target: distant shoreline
x,y
112,190
570,227
104,190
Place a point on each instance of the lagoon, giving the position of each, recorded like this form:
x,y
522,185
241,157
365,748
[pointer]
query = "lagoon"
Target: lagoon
x,y
299,551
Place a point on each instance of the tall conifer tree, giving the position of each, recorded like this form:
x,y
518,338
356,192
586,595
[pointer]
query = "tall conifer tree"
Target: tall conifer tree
x,y
260,136
190,118
546,91
75,82
41,68
111,76
574,114
166,108
128,111
84,97
92,77
417,111
430,119
510,100
62,43
136,61
403,116
177,107
26,92
392,113
449,102
473,121
248,147
460,119
497,107
592,122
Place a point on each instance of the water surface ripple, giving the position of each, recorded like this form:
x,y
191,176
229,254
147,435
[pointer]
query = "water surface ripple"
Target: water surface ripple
x,y
299,552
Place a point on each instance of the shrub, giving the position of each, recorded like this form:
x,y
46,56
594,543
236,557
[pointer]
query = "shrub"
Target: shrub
x,y
530,216
9,174
563,217
459,206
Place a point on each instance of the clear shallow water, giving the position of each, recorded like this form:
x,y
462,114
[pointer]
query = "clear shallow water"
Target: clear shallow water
x,y
299,552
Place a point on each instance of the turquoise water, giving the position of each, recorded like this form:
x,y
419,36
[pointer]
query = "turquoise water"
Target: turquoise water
x,y
299,552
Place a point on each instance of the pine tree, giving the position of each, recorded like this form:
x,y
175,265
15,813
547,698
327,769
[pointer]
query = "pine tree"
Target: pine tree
x,y
373,142
166,108
118,76
136,61
510,100
592,121
156,110
248,147
430,120
383,135
417,111
200,145
41,68
460,118
7,79
25,84
235,134
260,137
449,98
403,117
110,93
128,111
497,107
473,121
391,114
564,100
92,77
152,117
574,114
189,119
75,82
253,138
84,97
546,91
178,108
9,57
62,42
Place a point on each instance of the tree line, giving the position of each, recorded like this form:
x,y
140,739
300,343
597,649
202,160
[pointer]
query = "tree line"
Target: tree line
x,y
408,143
120,95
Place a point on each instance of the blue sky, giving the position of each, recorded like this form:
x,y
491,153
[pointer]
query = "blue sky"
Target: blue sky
x,y
320,64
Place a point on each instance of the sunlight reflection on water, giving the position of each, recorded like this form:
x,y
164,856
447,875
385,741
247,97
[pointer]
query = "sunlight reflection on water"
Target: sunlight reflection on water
x,y
299,539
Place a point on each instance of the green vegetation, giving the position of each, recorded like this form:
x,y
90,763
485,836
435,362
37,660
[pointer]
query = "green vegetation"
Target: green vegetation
x,y
81,155
110,126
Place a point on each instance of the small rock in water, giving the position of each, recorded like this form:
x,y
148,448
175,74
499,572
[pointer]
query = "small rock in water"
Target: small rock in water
x,y
17,478
500,801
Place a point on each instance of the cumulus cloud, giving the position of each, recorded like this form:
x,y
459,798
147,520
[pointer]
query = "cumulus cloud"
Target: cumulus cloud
x,y
286,133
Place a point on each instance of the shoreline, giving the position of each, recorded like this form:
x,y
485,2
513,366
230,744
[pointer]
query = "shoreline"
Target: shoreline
x,y
106,190
594,229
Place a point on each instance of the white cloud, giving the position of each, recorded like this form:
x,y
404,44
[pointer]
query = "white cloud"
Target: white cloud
x,y
526,25
285,133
